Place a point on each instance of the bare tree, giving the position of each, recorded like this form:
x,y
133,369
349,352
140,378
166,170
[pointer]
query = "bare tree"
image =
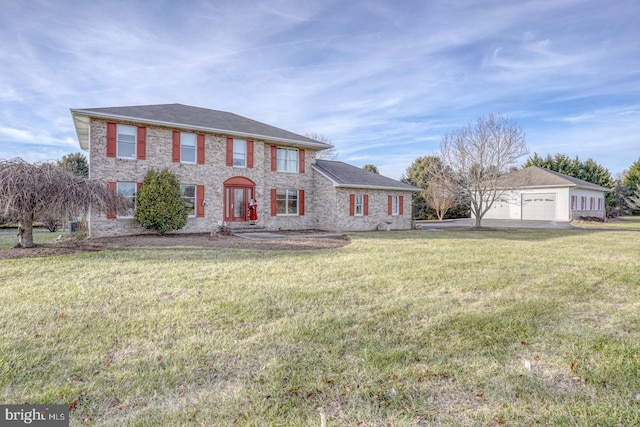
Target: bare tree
x,y
329,153
477,158
29,192
439,198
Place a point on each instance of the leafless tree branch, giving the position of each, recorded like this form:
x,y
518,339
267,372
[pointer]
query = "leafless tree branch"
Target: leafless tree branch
x,y
33,191
475,160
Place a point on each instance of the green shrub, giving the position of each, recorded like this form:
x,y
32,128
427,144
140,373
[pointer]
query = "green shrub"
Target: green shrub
x,y
159,204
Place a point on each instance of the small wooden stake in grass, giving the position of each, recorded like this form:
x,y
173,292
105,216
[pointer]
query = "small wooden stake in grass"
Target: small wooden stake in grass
x,y
323,417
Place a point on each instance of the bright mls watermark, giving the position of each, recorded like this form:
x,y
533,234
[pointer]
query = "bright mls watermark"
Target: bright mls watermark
x,y
34,415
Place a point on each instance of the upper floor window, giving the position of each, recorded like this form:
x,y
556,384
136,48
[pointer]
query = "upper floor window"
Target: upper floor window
x,y
288,159
128,190
189,198
187,147
239,152
126,141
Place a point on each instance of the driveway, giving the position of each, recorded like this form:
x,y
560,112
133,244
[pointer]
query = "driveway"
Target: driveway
x,y
496,223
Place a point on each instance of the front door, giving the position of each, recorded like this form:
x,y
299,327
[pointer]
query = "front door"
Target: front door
x,y
236,203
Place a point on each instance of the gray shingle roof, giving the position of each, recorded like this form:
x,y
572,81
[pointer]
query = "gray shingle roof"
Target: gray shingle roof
x,y
186,116
345,175
536,176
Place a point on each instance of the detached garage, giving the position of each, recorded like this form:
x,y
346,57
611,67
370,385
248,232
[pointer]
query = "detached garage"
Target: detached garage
x,y
549,195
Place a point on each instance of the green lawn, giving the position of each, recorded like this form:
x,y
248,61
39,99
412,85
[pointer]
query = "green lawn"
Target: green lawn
x,y
508,327
9,236
621,223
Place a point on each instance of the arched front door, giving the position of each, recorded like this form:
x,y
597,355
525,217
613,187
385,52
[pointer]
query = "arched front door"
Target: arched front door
x,y
237,193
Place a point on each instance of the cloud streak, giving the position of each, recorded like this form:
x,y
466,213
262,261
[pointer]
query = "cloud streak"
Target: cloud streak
x,y
382,80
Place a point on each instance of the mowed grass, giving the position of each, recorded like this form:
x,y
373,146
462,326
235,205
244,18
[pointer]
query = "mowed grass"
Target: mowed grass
x,y
9,236
620,223
508,327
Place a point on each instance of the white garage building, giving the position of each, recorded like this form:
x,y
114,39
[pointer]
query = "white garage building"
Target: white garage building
x,y
547,195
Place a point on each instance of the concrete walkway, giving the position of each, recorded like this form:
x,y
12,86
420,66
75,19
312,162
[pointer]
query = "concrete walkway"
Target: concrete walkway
x,y
496,223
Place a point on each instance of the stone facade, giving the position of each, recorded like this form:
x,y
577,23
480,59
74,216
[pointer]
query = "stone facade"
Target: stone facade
x,y
326,206
211,175
333,208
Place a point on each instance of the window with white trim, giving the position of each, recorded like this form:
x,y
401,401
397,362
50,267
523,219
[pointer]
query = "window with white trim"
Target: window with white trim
x,y
188,147
287,202
126,141
240,152
358,205
395,205
128,190
288,159
189,198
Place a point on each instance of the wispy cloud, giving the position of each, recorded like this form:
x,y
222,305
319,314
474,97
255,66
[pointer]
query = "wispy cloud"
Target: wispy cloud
x,y
383,80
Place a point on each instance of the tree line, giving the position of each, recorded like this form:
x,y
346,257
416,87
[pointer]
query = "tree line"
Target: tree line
x,y
434,203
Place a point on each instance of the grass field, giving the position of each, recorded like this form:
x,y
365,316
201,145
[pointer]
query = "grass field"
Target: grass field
x,y
508,327
621,223
8,236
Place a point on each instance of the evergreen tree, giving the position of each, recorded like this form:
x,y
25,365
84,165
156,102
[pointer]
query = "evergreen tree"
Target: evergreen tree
x,y
159,203
418,175
632,176
76,163
588,170
627,188
371,168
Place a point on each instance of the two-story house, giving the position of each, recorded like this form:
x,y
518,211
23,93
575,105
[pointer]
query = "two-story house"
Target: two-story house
x,y
223,161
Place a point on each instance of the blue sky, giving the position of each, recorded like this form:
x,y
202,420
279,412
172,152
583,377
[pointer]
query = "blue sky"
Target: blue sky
x,y
382,80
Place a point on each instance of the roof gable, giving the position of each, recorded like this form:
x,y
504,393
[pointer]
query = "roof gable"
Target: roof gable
x,y
535,176
346,175
186,116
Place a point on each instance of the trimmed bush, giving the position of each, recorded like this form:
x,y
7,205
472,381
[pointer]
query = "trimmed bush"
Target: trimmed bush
x,y
159,203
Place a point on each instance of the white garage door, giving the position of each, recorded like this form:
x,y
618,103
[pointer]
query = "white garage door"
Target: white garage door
x,y
539,206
